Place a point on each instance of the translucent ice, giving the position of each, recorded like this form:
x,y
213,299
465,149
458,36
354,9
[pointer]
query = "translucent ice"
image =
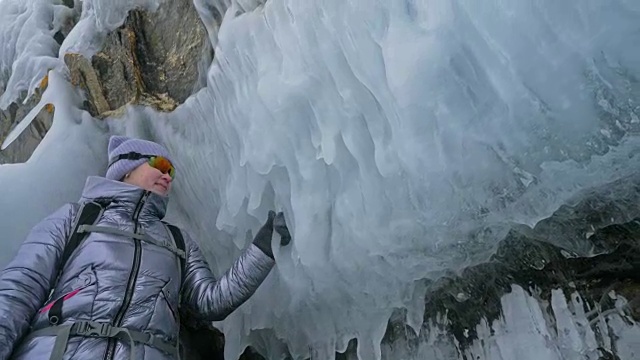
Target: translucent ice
x,y
28,47
55,174
401,139
530,329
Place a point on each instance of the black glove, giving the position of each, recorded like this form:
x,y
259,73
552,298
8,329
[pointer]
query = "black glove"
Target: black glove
x,y
281,228
263,238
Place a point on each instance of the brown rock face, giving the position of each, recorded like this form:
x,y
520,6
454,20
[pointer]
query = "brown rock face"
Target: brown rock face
x,y
23,147
152,59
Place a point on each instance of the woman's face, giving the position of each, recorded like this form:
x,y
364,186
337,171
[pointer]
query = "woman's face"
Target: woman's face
x,y
150,178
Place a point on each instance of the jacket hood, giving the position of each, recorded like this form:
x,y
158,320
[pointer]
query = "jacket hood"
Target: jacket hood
x,y
124,195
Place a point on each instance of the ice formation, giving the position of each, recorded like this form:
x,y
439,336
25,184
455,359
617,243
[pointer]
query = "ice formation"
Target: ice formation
x,y
401,139
531,329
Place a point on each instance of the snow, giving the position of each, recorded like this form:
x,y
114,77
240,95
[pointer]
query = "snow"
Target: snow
x,y
28,47
401,140
56,172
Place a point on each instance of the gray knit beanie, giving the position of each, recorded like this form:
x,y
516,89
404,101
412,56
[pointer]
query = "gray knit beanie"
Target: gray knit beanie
x,y
121,145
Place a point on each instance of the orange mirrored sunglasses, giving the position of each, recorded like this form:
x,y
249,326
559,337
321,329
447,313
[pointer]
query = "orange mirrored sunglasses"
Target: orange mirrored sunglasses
x,y
158,162
163,164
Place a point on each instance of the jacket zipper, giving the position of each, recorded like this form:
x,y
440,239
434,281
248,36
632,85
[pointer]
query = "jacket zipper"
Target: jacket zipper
x,y
131,283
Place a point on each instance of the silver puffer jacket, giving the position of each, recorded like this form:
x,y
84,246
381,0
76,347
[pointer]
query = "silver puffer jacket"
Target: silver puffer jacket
x,y
115,279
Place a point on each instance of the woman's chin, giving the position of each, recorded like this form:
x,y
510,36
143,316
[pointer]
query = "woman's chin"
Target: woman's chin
x,y
160,190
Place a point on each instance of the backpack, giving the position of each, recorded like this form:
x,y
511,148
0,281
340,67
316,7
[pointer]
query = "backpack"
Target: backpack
x,y
89,214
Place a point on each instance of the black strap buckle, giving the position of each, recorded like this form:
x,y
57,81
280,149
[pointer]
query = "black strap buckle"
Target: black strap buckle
x,y
88,328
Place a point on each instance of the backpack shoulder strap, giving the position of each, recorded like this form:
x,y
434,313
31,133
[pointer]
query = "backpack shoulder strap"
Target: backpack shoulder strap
x,y
88,214
178,240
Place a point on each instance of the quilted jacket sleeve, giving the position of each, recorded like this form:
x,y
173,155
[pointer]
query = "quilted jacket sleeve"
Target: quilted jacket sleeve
x,y
26,281
206,298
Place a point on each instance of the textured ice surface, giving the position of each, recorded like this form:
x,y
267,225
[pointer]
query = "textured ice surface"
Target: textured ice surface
x,y
28,47
401,139
56,172
530,329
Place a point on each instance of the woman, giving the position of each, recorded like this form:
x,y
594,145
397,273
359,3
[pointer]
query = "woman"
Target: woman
x,y
120,292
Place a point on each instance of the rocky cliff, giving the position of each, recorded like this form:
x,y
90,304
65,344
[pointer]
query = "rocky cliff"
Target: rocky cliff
x,y
159,59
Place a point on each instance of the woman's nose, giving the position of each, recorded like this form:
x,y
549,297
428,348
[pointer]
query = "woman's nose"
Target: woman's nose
x,y
167,177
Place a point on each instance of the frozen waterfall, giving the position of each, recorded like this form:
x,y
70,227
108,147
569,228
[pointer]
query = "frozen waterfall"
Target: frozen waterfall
x,y
402,139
